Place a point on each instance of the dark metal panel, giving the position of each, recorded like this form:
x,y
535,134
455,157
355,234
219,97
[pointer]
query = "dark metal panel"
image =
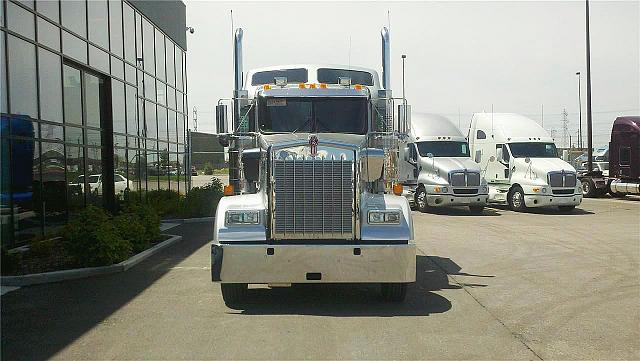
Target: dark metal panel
x,y
169,15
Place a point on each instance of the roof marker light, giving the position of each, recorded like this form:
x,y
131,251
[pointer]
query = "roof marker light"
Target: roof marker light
x,y
302,85
323,86
358,87
266,87
312,86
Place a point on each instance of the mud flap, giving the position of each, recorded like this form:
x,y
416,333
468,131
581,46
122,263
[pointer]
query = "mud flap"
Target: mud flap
x,y
216,262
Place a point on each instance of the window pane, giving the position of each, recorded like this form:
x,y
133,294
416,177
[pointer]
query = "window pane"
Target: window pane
x,y
94,137
74,17
73,135
94,168
51,131
23,126
161,92
94,96
171,71
21,21
48,34
171,130
173,171
129,33
49,8
138,33
120,172
179,101
130,73
3,75
98,22
49,67
149,86
147,40
115,26
22,77
74,47
180,124
152,170
150,119
98,59
162,123
132,120
163,166
72,96
75,177
117,68
25,174
171,97
160,57
179,69
53,185
117,105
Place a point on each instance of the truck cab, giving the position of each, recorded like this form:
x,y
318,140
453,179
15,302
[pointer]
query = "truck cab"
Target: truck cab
x,y
314,194
520,163
438,169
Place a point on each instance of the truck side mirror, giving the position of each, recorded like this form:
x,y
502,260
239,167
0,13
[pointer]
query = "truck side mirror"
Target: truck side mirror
x,y
499,155
222,123
478,156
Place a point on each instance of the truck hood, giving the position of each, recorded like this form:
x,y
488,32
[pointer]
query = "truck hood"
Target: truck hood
x,y
542,166
446,165
354,140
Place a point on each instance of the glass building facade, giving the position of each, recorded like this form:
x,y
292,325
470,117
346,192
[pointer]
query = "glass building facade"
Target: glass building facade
x,y
93,103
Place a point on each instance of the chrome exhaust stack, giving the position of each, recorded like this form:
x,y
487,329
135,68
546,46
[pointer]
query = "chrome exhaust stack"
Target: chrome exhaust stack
x,y
237,59
386,59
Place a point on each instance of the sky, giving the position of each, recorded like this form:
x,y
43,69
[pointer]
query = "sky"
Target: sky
x,y
462,57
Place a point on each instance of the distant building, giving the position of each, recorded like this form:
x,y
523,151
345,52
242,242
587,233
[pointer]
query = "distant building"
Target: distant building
x,y
206,149
91,91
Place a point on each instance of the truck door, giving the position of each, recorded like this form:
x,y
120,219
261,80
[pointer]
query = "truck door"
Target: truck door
x,y
502,160
409,168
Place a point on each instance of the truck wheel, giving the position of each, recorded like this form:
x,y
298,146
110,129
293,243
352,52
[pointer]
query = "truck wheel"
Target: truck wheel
x,y
588,187
566,209
516,199
233,293
394,292
476,209
421,199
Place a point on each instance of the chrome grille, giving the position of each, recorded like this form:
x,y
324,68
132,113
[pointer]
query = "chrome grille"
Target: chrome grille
x,y
464,179
313,198
562,179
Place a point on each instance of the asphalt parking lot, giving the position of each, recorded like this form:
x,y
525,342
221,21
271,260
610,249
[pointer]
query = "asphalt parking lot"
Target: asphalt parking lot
x,y
504,285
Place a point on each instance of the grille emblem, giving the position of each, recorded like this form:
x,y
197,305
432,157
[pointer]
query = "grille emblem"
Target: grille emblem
x,y
313,144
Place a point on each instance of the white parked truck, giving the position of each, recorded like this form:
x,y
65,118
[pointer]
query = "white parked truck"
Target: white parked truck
x,y
520,162
314,193
438,170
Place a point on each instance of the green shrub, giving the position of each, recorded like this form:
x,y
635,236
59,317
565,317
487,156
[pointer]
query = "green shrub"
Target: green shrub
x,y
91,239
164,201
129,227
148,218
203,201
208,169
10,261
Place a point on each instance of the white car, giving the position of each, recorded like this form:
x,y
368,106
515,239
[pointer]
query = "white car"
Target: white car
x,y
95,183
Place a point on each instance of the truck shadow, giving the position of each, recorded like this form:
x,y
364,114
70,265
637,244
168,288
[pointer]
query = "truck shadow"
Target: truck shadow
x,y
459,212
358,300
546,211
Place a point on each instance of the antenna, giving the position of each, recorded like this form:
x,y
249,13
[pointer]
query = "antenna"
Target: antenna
x,y
389,20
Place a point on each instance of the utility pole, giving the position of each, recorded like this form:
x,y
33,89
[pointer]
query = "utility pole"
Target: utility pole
x,y
589,130
580,111
565,127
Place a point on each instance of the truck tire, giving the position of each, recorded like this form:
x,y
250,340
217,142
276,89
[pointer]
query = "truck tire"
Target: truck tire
x,y
233,293
421,199
516,199
476,209
588,187
566,209
393,292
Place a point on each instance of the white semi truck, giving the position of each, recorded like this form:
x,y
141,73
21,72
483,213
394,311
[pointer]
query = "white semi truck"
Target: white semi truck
x,y
520,162
437,170
314,193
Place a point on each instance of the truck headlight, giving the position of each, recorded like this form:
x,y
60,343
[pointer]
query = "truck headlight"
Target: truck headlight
x,y
445,189
384,217
242,217
485,189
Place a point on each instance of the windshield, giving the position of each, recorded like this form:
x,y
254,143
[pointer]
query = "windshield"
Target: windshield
x,y
313,115
93,179
533,150
443,149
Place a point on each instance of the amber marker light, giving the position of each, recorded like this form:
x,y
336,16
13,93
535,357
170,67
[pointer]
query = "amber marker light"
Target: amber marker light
x,y
302,86
228,190
397,189
323,86
357,87
266,87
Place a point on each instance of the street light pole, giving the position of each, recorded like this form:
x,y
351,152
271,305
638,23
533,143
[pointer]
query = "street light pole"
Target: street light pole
x,y
589,125
580,111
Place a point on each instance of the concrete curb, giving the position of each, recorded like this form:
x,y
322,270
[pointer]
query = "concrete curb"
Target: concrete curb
x,y
189,220
57,276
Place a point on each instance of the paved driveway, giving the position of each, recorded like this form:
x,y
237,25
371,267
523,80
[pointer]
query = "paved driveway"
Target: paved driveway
x,y
500,286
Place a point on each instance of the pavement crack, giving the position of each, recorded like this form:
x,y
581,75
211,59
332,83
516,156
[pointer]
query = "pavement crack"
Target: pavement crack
x,y
462,285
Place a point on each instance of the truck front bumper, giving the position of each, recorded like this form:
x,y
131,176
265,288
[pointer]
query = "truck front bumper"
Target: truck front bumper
x,y
541,200
353,263
448,200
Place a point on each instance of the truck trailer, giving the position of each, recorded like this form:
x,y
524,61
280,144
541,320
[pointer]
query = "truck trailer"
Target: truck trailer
x,y
314,195
437,168
520,162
